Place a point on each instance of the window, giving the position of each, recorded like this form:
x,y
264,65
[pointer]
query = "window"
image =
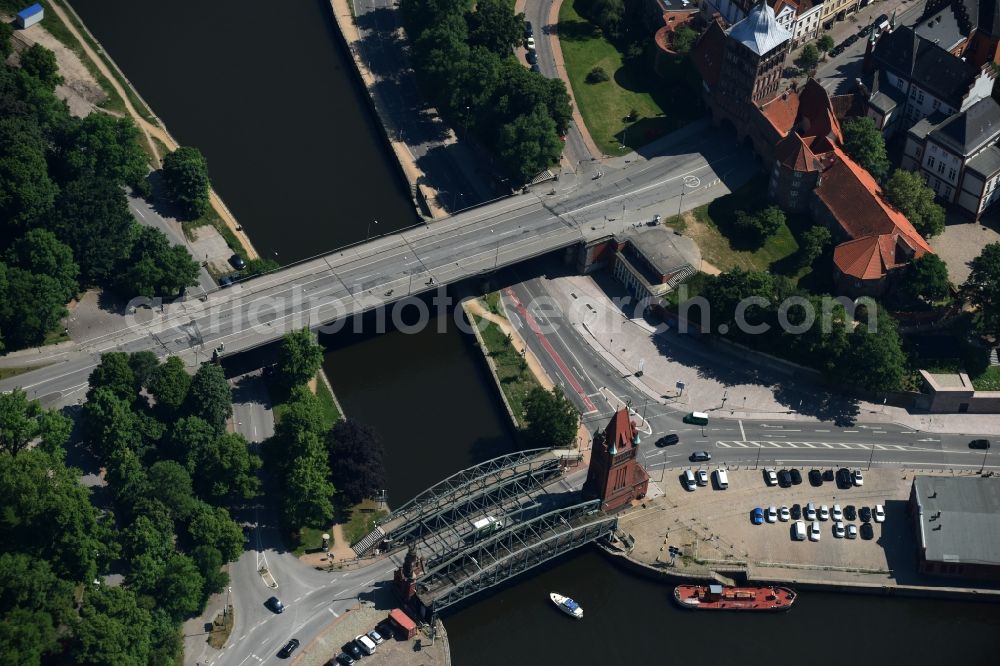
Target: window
x,y
937,104
930,160
920,97
951,174
913,93
941,166
947,193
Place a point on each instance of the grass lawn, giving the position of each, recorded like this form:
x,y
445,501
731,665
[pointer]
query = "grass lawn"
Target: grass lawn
x,y
360,522
310,539
989,380
516,380
604,106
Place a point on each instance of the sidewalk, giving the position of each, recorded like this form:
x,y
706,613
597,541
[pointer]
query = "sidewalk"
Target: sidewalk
x,y
730,385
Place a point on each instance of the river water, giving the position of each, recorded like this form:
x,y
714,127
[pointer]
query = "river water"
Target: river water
x,y
265,91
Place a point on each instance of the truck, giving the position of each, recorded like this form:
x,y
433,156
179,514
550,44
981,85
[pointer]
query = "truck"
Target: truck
x,y
487,525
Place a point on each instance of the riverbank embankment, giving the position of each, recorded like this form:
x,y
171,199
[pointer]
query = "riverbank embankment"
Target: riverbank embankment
x,y
718,541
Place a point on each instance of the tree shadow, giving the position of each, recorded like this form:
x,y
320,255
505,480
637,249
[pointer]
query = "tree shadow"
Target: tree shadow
x,y
577,31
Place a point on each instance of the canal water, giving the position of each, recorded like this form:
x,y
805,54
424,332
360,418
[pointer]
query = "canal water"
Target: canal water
x,y
265,91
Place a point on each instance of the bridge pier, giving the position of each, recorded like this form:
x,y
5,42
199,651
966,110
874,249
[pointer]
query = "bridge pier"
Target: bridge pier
x,y
595,254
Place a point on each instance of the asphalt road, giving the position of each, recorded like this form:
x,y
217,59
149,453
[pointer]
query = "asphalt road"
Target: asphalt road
x,y
598,389
379,273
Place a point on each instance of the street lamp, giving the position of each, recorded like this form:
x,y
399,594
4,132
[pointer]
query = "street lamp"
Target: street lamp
x,y
871,457
757,462
369,232
983,466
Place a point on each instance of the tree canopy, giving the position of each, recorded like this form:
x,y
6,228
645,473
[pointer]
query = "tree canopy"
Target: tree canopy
x,y
552,420
761,225
865,144
356,460
22,421
185,172
927,278
209,397
299,358
808,57
911,195
982,289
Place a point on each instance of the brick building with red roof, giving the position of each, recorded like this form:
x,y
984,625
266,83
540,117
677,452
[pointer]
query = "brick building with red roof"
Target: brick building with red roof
x,y
615,475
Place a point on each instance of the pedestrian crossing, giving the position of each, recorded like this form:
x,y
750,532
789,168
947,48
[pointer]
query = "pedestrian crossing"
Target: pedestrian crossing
x,y
769,444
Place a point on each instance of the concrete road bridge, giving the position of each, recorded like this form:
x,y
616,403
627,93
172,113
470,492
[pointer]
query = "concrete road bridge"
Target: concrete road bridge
x,y
580,209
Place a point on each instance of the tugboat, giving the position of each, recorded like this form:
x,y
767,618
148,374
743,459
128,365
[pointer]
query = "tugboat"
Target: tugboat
x,y
718,597
566,605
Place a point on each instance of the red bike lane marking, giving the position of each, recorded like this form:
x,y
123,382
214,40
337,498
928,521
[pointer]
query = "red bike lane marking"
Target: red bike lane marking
x,y
550,350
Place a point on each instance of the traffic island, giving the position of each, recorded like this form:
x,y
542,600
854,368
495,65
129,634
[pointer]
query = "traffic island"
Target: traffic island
x,y
711,534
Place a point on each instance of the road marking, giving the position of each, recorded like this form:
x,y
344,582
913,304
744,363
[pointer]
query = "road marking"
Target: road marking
x,y
743,435
822,431
333,612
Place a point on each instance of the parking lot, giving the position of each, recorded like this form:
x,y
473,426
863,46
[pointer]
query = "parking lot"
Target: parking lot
x,y
714,528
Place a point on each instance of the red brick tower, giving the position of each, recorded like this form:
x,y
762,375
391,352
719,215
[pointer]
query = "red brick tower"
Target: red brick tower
x,y
615,475
405,578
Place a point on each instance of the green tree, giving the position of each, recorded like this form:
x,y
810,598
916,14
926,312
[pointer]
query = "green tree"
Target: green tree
x,y
149,534
112,629
825,43
93,218
209,397
189,435
6,32
27,635
179,591
874,359
299,357
528,145
909,193
356,460
808,57
761,225
303,413
307,491
212,526
684,38
982,289
128,481
224,469
105,147
26,192
155,267
927,278
551,418
170,483
144,365
32,306
110,424
609,14
209,562
114,374
22,421
865,144
494,26
814,240
40,63
169,385
185,172
40,252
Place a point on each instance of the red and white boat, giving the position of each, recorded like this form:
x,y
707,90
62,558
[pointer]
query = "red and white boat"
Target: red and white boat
x,y
720,597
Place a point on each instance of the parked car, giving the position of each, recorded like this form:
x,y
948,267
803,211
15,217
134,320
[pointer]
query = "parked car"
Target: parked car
x,y
824,512
772,514
810,511
844,478
837,513
667,440
530,43
867,531
376,637
784,479
700,456
796,477
879,513
770,477
857,478
815,478
828,475
865,514
531,57
979,444
366,644
814,533
289,648
838,530
757,516
689,480
852,531
702,477
236,261
850,513
344,659
796,512
528,30
352,649
536,68
275,605
784,515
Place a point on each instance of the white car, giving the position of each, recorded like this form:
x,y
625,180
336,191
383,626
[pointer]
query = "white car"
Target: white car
x,y
702,477
810,511
852,531
824,512
814,531
837,513
771,476
772,514
857,478
879,513
784,515
531,43
838,530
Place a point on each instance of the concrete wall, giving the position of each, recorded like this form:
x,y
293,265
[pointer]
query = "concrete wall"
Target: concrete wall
x,y
963,398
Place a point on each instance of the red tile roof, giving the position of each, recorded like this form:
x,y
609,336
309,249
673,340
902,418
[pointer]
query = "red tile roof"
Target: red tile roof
x,y
620,431
796,154
809,111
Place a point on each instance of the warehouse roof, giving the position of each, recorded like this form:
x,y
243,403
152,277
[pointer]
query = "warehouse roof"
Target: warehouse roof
x,y
959,519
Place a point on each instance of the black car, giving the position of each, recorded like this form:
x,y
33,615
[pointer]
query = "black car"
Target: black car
x,y
867,531
352,649
667,440
844,479
700,456
850,513
979,444
882,17
828,475
815,477
289,648
528,30
784,479
274,603
796,512
796,477
532,57
344,659
866,514
535,67
236,261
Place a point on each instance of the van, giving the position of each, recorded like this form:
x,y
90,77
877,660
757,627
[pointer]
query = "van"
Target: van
x,y
697,418
689,481
722,479
366,644
800,531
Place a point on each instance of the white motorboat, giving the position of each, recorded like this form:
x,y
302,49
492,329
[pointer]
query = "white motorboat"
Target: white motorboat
x,y
566,605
